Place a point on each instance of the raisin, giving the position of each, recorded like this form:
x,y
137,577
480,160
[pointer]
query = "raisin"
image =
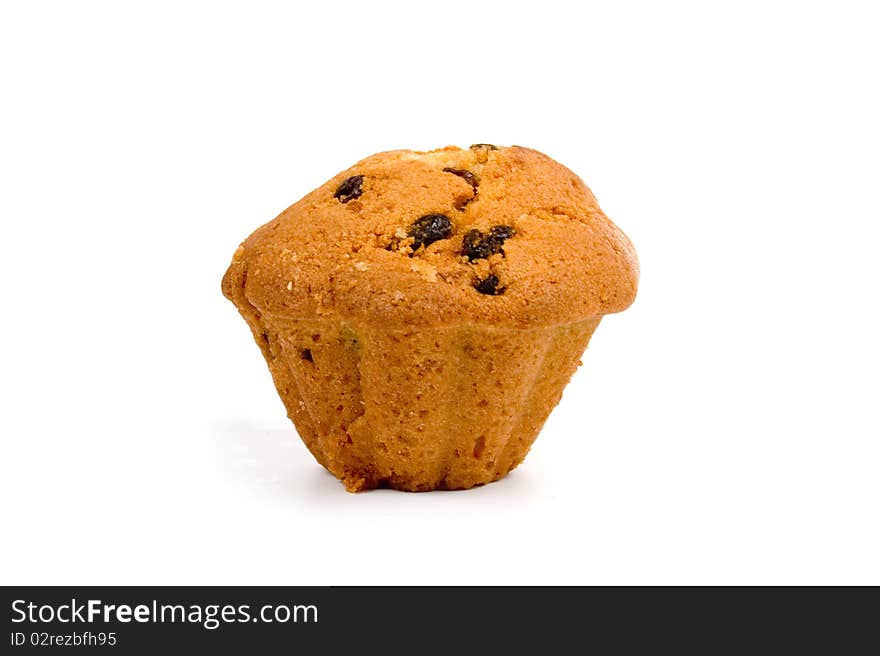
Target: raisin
x,y
489,146
350,189
471,245
428,229
489,285
306,354
469,177
478,246
501,232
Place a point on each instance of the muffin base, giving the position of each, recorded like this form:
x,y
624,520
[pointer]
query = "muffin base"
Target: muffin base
x,y
422,409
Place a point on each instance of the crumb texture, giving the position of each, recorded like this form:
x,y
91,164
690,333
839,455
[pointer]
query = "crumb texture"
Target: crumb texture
x,y
422,312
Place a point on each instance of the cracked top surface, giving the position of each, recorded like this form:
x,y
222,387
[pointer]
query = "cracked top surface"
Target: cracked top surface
x,y
403,238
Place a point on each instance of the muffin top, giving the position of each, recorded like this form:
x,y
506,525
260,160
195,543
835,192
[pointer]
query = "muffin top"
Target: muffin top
x,y
486,235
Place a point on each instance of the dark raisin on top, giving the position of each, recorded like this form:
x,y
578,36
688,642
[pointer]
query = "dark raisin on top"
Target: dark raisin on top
x,y
489,286
478,246
306,354
501,232
350,189
428,229
489,146
468,177
471,245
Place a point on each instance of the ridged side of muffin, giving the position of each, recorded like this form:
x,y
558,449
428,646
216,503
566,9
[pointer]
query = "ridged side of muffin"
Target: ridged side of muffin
x,y
418,409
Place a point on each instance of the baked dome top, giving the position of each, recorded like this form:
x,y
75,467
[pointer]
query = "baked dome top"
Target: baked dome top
x,y
485,235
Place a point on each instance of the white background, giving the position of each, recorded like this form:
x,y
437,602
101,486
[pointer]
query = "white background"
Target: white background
x,y
722,430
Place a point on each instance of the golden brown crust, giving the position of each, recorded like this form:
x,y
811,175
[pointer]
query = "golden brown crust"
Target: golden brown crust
x,y
353,260
396,370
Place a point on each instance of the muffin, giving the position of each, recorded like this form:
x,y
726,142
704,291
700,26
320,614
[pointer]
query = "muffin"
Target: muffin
x,y
422,312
